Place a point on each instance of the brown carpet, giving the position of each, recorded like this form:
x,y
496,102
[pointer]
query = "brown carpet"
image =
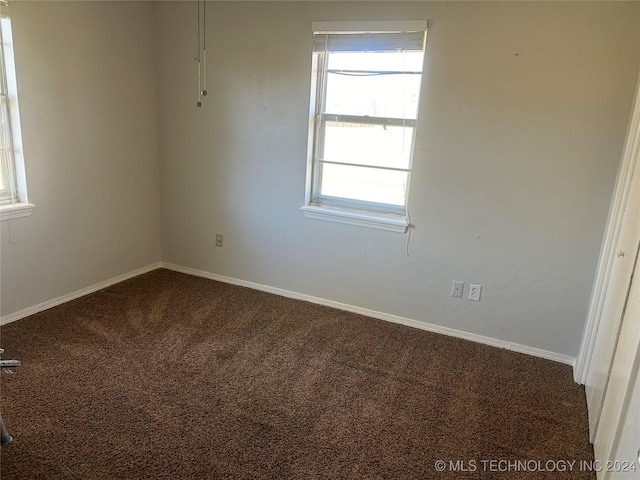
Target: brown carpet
x,y
172,376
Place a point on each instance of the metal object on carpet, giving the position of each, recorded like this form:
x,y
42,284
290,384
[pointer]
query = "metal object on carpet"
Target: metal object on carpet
x,y
6,366
5,438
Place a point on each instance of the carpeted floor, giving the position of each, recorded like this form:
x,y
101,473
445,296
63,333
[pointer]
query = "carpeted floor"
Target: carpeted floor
x,y
172,376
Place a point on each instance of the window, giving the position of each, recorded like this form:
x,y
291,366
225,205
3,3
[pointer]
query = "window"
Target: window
x,y
364,113
13,190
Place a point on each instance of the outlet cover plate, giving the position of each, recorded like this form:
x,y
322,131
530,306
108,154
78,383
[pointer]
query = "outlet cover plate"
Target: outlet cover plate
x,y
474,292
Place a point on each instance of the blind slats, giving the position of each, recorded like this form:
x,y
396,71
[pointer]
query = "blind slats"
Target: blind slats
x,y
369,42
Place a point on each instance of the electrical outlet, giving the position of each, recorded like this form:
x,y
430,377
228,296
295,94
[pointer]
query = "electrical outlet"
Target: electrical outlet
x,y
474,292
457,288
219,240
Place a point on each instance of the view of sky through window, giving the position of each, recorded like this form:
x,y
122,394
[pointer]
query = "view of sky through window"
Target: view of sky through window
x,y
384,85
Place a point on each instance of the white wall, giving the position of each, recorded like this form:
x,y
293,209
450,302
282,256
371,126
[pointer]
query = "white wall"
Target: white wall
x,y
523,117
86,84
513,172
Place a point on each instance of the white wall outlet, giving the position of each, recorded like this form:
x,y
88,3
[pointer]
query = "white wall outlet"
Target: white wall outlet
x,y
456,289
219,240
474,292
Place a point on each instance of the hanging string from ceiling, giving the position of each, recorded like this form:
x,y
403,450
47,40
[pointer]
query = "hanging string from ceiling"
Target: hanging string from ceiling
x,y
202,51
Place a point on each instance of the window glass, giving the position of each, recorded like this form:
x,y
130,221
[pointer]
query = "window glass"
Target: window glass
x,y
375,145
377,95
376,61
364,120
364,183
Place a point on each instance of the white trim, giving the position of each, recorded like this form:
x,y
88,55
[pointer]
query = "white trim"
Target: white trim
x,y
607,252
13,110
381,222
430,327
12,317
16,210
617,408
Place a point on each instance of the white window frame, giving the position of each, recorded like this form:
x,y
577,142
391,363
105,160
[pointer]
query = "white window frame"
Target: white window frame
x,y
14,202
342,210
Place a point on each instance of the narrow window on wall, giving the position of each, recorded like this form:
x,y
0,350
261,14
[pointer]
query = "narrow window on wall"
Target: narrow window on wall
x,y
13,188
365,93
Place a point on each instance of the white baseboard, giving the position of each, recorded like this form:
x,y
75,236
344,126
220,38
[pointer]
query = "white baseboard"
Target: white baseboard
x,y
430,327
12,317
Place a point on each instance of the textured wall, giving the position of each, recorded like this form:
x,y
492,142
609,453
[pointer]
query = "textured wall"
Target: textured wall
x,y
86,85
514,166
523,117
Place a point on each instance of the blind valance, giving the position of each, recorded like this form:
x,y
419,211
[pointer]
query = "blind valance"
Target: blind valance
x,y
368,42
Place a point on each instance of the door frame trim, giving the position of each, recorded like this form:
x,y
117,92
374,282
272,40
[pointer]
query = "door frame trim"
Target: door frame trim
x,y
629,159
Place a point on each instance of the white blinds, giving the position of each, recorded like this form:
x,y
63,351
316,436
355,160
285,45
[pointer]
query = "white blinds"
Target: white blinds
x,y
368,42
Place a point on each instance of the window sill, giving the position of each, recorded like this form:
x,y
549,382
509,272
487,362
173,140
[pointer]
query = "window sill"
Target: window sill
x,y
390,223
15,210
